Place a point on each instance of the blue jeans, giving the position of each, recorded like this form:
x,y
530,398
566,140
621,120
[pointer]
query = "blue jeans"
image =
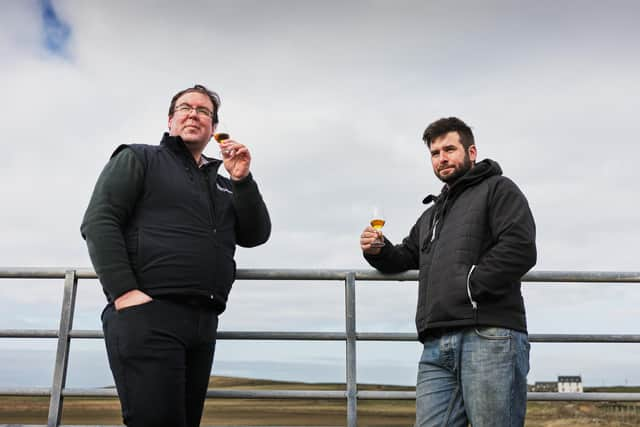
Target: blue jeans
x,y
474,376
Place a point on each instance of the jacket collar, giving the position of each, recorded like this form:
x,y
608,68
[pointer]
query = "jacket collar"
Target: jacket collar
x,y
177,145
481,171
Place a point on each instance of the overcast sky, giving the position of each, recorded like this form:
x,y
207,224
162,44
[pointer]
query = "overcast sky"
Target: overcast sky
x,y
332,98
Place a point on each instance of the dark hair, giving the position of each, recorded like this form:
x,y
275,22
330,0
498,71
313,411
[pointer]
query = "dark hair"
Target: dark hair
x,y
214,97
445,125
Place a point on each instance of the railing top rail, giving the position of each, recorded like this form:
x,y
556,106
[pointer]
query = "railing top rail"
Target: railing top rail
x,y
339,274
328,336
44,272
323,394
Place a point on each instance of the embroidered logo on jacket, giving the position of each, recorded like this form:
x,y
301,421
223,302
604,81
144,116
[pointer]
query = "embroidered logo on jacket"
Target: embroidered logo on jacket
x,y
226,190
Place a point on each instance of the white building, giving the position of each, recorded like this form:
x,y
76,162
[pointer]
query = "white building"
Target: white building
x,y
570,384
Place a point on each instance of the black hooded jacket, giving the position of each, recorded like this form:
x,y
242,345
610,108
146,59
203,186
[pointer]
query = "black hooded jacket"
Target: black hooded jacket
x,y
471,247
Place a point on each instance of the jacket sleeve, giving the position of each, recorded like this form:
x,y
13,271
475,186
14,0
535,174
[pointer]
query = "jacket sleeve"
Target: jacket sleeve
x,y
111,205
398,258
513,252
253,225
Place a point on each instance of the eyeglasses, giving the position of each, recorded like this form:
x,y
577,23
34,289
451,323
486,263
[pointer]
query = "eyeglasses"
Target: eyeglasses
x,y
186,109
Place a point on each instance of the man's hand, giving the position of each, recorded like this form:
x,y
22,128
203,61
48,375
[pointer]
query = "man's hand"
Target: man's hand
x,y
131,298
236,157
367,237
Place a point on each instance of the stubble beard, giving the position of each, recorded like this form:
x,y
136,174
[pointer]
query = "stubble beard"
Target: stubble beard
x,y
459,171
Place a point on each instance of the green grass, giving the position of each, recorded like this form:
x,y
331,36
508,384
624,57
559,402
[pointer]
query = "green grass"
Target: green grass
x,y
289,412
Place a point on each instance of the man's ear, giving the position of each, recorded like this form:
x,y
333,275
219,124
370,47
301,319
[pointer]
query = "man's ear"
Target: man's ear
x,y
473,153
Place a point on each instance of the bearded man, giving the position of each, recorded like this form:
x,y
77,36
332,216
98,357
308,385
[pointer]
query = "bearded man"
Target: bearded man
x,y
472,247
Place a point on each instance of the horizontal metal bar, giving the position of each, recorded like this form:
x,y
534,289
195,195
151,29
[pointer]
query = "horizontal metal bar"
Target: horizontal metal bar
x,y
243,335
28,333
548,338
386,395
589,397
331,336
412,275
306,274
86,333
368,275
282,336
218,393
386,336
532,396
90,392
44,273
25,391
212,393
290,274
245,274
588,338
278,394
583,276
325,394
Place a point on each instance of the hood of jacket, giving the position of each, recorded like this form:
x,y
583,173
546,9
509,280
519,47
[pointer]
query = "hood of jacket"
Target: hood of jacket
x,y
480,171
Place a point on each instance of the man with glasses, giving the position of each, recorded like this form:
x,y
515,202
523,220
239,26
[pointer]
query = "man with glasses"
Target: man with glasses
x,y
162,227
472,247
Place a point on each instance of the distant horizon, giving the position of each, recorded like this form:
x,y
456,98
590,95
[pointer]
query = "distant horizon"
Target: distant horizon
x,y
79,375
384,384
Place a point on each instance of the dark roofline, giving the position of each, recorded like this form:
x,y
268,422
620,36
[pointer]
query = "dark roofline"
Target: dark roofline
x,y
570,379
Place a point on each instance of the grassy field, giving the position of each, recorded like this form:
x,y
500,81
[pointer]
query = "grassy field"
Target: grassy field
x,y
254,412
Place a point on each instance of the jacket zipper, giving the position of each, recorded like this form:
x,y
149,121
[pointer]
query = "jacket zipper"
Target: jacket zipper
x,y
212,213
439,215
474,303
433,234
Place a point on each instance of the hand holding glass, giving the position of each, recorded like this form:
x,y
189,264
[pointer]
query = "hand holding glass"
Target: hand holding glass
x,y
377,222
221,136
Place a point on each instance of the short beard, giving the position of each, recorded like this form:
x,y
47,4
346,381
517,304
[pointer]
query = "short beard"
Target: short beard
x,y
457,173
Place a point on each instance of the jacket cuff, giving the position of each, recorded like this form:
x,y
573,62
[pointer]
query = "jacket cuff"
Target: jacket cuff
x,y
245,187
244,181
116,285
382,253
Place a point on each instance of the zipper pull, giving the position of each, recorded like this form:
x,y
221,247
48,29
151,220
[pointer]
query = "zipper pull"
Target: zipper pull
x,y
474,304
433,234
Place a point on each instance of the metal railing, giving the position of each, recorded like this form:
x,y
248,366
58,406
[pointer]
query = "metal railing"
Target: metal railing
x,y
65,333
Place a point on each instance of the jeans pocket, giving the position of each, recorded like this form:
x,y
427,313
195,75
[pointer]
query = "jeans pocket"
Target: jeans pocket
x,y
492,333
489,341
134,307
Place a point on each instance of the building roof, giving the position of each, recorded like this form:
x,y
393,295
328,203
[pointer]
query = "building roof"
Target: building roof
x,y
570,379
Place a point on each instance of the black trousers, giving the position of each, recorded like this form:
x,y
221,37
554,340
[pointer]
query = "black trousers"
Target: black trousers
x,y
160,354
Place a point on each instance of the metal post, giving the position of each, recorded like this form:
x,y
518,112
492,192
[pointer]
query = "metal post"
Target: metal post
x,y
62,352
350,320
